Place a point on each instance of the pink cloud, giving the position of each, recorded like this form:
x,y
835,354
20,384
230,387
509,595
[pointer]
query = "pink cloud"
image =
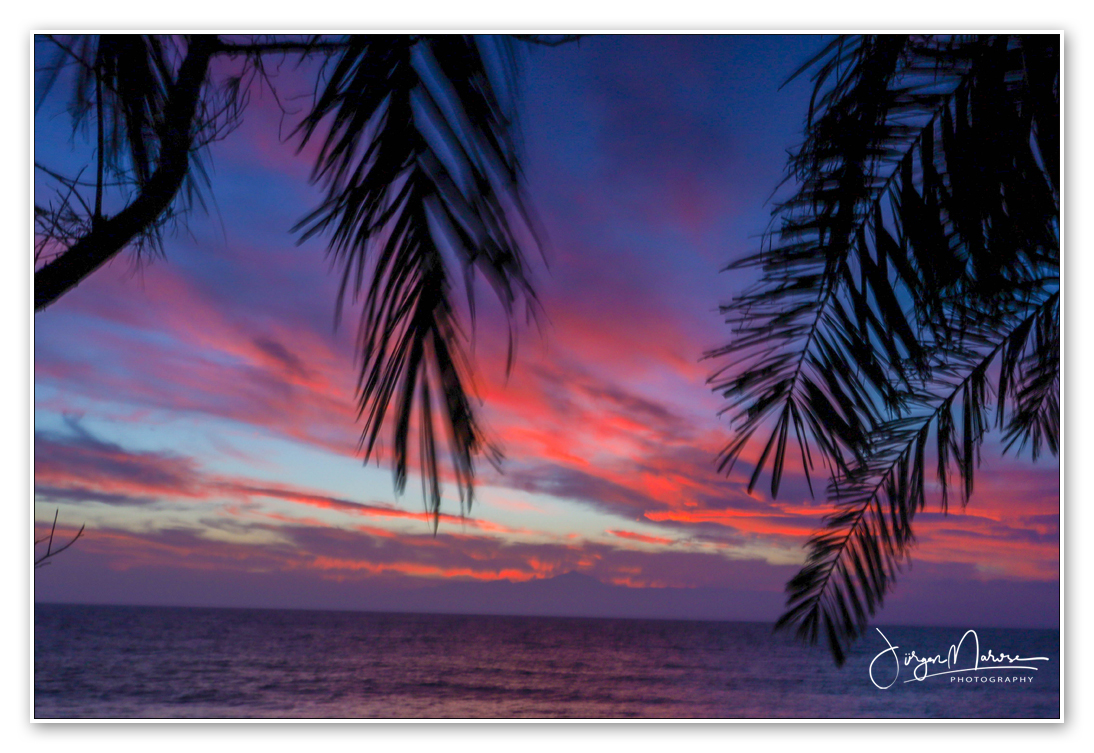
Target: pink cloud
x,y
640,537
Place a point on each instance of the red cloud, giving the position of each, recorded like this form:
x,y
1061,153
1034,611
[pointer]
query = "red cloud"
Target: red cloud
x,y
640,537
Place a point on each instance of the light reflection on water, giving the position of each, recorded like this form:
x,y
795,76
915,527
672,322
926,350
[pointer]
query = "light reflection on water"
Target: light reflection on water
x,y
149,662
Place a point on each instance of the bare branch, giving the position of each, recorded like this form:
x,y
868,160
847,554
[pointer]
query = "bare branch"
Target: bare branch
x,y
549,40
263,48
50,552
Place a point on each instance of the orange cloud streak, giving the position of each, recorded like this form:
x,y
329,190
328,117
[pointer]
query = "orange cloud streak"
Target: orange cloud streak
x,y
640,537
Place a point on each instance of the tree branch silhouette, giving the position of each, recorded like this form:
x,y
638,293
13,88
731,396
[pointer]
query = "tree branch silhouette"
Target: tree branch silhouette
x,y
48,540
108,236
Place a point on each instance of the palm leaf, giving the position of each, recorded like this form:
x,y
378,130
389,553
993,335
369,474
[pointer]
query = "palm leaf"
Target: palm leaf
x,y
422,186
918,257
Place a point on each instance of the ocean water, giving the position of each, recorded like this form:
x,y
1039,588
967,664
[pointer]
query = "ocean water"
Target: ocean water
x,y
166,662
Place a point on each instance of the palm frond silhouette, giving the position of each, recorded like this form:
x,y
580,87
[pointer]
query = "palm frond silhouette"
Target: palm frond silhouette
x,y
421,173
908,299
419,157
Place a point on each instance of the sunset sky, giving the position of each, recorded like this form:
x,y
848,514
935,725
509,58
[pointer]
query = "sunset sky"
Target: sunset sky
x,y
197,412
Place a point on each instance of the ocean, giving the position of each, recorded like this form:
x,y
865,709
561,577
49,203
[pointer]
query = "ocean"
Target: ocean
x,y
118,662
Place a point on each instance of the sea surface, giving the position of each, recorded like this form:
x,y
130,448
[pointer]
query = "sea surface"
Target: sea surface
x,y
168,662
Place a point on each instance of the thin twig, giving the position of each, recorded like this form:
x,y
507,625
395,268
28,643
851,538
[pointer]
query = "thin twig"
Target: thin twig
x,y
43,560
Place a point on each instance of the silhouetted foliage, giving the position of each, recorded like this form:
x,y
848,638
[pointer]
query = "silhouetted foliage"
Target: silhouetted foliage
x,y
418,152
417,159
908,298
47,556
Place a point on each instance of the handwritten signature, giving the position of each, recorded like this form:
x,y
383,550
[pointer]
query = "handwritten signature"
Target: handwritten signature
x,y
923,664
